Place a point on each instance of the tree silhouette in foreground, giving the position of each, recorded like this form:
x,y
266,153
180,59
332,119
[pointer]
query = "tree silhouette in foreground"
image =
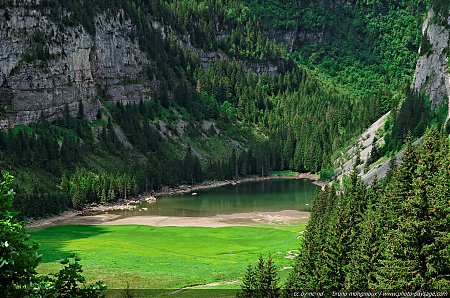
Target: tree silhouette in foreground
x,y
19,259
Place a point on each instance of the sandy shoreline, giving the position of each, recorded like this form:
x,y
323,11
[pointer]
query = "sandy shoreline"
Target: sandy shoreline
x,y
217,221
71,216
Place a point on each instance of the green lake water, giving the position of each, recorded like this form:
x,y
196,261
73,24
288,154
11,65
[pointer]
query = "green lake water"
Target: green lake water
x,y
268,195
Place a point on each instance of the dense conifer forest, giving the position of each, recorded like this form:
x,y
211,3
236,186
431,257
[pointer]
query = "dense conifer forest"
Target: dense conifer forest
x,y
391,236
254,105
277,117
371,47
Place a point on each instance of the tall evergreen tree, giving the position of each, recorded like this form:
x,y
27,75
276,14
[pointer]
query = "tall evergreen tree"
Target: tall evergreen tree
x,y
343,233
412,249
361,267
260,281
80,113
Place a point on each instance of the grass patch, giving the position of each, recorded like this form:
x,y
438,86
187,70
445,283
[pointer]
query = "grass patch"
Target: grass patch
x,y
165,257
284,173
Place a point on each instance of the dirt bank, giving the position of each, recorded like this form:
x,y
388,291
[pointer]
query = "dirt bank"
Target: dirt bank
x,y
221,220
314,178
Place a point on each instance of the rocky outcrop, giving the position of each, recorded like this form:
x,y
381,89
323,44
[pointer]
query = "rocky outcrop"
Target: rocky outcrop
x,y
207,58
45,67
293,39
361,150
432,74
431,77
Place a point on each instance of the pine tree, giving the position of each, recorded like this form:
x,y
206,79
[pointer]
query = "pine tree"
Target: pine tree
x,y
80,113
260,281
307,273
233,164
399,189
268,280
438,251
188,166
249,284
343,233
360,270
414,248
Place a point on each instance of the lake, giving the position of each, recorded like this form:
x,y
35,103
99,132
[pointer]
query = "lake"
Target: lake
x,y
267,195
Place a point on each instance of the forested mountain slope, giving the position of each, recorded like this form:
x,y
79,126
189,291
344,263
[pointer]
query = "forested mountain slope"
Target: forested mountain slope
x,y
425,104
107,99
392,236
170,92
370,46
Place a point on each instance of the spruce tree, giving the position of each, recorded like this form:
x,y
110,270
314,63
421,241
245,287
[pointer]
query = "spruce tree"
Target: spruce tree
x,y
80,113
343,233
413,250
188,166
307,273
249,284
268,280
360,269
260,281
438,251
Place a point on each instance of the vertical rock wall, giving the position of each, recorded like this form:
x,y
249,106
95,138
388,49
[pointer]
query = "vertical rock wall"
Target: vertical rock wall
x,y
432,74
77,66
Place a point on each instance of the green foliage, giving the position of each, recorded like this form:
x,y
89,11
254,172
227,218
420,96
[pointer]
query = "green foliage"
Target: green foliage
x,y
425,45
173,257
286,119
414,261
369,46
19,259
87,187
69,282
392,236
284,173
441,7
260,281
326,173
39,51
192,169
413,116
305,272
54,149
290,113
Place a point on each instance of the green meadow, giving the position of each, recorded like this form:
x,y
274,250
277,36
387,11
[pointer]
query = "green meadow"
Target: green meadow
x,y
168,258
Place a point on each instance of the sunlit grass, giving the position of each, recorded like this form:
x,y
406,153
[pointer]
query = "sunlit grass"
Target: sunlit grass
x,y
165,257
284,173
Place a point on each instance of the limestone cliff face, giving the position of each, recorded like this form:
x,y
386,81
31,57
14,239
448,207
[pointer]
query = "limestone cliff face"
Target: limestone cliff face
x,y
46,66
76,66
432,73
292,39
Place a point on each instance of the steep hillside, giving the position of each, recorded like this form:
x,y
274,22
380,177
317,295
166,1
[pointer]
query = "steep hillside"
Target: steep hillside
x,y
57,53
369,46
425,104
105,99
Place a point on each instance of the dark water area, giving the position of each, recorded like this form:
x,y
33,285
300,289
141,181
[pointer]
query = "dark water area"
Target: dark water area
x,y
263,196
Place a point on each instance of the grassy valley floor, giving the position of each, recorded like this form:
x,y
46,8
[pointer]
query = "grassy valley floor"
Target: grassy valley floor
x,y
168,258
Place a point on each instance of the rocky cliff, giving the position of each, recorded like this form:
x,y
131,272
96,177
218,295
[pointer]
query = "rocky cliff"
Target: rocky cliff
x,y
431,77
45,67
432,72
